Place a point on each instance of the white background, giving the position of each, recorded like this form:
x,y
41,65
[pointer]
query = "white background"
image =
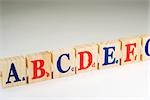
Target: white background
x,y
29,26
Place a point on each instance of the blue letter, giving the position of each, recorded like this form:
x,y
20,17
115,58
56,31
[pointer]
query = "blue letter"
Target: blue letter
x,y
59,63
14,74
107,55
146,48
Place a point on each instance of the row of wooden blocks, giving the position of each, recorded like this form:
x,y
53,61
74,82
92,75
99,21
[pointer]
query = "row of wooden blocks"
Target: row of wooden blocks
x,y
19,70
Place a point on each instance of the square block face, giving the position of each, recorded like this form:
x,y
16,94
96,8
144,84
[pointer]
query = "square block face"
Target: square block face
x,y
131,49
145,54
13,71
39,67
63,62
109,54
86,58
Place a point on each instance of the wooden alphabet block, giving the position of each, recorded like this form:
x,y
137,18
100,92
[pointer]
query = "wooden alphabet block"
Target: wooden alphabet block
x,y
86,58
13,71
145,43
39,67
109,54
63,62
0,72
130,48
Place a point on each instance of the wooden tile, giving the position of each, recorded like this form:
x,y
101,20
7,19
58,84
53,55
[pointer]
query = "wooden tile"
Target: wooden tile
x,y
145,50
109,54
39,67
130,48
86,57
63,62
1,72
13,71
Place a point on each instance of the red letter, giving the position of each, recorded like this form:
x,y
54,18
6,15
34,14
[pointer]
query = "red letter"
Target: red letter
x,y
129,51
37,68
82,60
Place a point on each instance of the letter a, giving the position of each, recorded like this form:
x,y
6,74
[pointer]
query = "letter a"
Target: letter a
x,y
13,74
